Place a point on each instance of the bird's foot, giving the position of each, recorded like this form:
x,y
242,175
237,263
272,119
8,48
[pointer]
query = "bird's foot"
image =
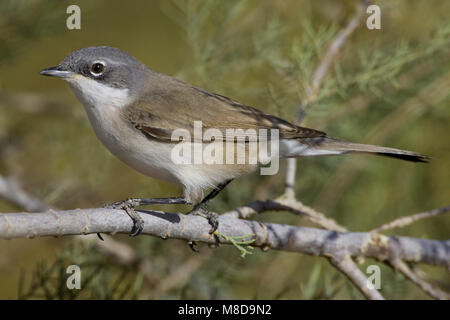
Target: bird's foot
x,y
202,211
128,205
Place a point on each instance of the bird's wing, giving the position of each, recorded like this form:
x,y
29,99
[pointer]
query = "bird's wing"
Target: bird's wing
x,y
170,104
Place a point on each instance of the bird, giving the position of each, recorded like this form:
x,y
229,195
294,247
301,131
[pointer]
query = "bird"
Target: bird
x,y
135,112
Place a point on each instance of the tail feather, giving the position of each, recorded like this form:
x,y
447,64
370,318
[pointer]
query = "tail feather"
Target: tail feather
x,y
326,145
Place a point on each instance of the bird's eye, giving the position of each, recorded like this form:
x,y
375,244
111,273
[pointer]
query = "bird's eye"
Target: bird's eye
x,y
97,68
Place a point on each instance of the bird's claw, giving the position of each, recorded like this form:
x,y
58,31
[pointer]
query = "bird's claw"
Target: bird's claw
x,y
128,205
202,211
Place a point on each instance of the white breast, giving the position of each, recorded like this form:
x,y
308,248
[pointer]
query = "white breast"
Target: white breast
x,y
103,104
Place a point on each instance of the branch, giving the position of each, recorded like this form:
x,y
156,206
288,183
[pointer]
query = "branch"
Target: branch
x,y
291,168
332,52
348,267
13,192
401,267
311,241
404,221
286,204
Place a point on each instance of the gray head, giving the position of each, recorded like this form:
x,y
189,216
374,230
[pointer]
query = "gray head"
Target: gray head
x,y
105,65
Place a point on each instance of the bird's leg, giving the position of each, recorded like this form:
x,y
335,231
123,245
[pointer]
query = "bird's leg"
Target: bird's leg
x,y
201,209
136,202
129,204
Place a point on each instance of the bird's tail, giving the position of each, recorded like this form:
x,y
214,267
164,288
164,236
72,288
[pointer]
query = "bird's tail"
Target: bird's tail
x,y
326,145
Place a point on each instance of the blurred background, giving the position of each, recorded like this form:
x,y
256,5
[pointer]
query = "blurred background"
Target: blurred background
x,y
387,87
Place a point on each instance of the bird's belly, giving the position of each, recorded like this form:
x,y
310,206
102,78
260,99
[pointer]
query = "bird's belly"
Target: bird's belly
x,y
150,158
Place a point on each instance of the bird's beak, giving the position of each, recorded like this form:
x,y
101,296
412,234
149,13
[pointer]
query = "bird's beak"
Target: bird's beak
x,y
56,72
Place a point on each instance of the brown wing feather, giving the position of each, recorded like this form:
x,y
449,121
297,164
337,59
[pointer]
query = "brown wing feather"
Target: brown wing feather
x,y
170,104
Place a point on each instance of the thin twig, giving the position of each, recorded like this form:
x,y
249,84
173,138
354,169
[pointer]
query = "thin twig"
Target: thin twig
x,y
401,267
286,204
404,221
332,52
291,168
313,89
346,265
11,191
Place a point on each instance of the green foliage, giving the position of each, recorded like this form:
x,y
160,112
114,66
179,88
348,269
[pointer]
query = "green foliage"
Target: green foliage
x,y
242,243
100,279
